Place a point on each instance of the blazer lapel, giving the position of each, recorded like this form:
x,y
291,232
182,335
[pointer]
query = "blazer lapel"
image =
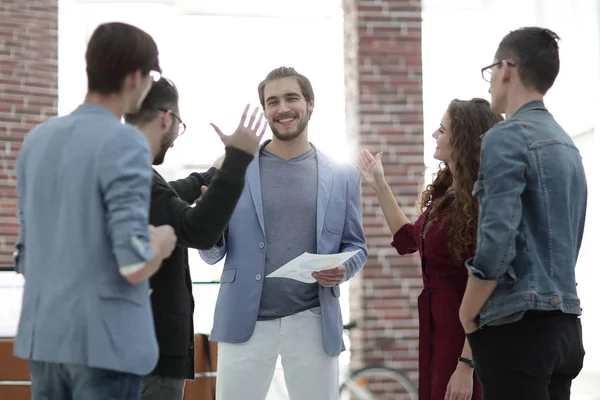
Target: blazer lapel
x,y
324,176
253,182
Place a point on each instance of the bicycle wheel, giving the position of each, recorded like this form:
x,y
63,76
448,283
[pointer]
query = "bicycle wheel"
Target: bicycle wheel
x,y
378,383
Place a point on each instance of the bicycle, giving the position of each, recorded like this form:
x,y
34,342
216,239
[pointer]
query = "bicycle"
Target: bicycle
x,y
377,382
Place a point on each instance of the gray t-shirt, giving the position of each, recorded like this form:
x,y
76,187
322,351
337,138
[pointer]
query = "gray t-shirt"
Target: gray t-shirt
x,y
289,197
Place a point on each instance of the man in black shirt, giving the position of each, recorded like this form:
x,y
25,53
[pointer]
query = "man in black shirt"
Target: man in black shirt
x,y
198,227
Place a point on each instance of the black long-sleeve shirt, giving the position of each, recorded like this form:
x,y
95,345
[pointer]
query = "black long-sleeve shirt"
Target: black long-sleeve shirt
x,y
199,226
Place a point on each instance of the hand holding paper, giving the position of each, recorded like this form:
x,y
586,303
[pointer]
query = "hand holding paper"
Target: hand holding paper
x,y
330,277
302,267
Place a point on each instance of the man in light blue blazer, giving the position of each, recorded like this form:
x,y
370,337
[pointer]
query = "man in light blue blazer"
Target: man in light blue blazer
x,y
84,246
296,200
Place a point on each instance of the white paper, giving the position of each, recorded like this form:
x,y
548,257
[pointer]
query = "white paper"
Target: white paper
x,y
301,267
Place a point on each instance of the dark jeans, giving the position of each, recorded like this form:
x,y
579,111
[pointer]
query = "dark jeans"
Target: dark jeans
x,y
50,381
536,357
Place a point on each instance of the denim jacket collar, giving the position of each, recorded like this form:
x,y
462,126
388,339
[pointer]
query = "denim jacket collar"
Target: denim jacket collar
x,y
532,105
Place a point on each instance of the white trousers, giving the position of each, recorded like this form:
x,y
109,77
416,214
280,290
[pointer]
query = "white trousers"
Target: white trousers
x,y
245,370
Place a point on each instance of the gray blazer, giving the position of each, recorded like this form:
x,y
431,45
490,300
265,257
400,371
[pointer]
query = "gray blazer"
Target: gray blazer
x,y
83,183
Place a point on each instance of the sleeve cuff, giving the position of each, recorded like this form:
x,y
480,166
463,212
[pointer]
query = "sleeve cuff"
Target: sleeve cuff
x,y
139,251
215,251
236,161
480,275
404,240
206,177
473,271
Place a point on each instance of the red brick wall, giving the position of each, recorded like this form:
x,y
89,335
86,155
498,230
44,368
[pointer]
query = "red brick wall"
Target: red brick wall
x,y
28,93
385,113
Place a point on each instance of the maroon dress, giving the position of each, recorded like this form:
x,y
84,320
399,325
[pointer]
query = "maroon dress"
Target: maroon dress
x,y
441,336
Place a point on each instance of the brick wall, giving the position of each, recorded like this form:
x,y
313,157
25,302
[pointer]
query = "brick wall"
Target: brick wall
x,y
385,113
28,93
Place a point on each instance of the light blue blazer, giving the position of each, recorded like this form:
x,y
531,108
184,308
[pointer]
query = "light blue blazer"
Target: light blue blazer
x,y
83,182
339,229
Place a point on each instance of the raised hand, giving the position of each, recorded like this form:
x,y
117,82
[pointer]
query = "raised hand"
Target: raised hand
x,y
370,168
245,138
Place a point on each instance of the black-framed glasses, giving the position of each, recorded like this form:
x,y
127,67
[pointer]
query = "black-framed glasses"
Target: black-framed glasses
x,y
486,72
182,125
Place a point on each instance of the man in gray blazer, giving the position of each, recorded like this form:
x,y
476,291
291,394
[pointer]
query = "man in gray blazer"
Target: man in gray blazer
x,y
85,247
296,200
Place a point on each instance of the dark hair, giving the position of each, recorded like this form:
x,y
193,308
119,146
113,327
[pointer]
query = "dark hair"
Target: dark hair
x,y
116,50
286,72
469,120
535,51
162,95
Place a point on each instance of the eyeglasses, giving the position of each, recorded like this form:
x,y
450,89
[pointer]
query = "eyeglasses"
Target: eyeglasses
x,y
486,72
182,125
155,75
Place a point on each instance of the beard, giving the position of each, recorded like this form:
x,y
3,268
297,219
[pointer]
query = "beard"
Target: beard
x,y
165,145
286,137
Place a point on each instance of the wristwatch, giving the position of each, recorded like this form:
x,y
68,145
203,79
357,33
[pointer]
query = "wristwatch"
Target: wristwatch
x,y
469,361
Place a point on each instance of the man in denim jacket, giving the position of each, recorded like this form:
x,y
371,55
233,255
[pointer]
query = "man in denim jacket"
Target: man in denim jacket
x,y
520,310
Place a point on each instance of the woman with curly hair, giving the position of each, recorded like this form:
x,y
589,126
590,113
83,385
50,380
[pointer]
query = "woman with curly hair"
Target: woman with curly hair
x,y
445,236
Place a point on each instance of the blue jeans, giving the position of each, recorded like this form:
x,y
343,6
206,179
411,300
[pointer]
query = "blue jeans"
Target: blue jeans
x,y
51,381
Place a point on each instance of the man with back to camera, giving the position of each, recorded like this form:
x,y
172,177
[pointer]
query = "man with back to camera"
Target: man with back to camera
x,y
198,227
296,200
85,247
520,309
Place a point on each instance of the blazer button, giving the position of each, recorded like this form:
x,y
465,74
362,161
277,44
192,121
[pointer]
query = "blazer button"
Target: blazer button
x,y
191,345
261,245
258,277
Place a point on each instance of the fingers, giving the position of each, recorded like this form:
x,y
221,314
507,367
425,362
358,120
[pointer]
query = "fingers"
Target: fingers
x,y
253,117
327,282
166,229
332,272
362,173
363,163
448,395
257,125
203,188
244,116
367,154
337,277
366,158
262,132
216,128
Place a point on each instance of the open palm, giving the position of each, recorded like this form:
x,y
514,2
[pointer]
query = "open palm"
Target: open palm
x,y
370,168
246,136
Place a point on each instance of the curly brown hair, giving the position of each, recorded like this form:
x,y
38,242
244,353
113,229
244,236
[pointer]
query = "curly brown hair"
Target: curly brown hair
x,y
469,120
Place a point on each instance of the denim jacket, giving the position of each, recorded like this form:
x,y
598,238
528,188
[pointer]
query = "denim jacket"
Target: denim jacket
x,y
532,195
